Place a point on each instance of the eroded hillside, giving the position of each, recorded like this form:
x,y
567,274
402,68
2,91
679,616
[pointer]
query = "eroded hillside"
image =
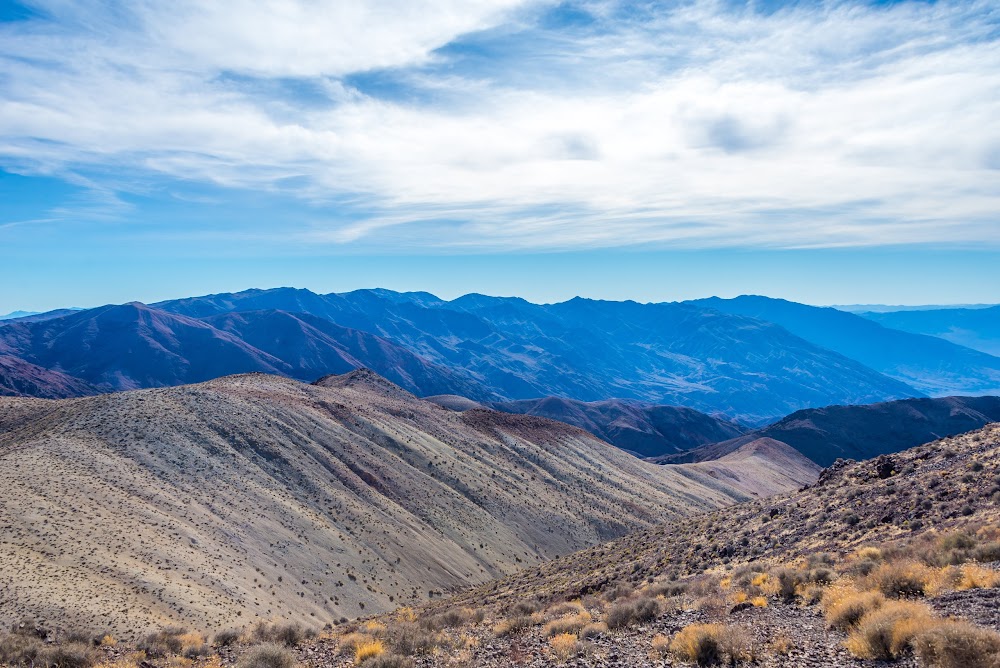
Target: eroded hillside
x,y
254,496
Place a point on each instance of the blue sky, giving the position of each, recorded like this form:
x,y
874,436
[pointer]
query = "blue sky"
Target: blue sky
x,y
828,152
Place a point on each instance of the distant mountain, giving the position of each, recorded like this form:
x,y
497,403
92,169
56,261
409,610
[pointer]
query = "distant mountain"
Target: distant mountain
x,y
977,328
930,364
306,502
861,309
134,346
19,378
862,432
17,314
646,430
25,316
591,350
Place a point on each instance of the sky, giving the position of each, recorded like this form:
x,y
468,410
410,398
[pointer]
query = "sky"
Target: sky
x,y
826,152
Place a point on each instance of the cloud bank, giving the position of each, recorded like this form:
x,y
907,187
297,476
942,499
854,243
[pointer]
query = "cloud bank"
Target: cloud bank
x,y
511,125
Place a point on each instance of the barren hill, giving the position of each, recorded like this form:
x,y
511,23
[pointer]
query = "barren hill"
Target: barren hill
x,y
255,496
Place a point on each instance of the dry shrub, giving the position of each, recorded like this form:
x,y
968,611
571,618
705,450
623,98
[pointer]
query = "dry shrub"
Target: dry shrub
x,y
843,608
886,632
566,608
350,642
454,618
632,612
568,624
660,645
593,630
388,661
268,655
22,649
739,597
709,644
368,649
512,625
869,553
409,639
759,601
958,644
782,644
665,589
564,646
617,592
975,576
901,579
288,635
226,638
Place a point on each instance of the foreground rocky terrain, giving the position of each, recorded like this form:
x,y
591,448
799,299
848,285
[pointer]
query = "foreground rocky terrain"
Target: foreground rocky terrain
x,y
891,561
255,496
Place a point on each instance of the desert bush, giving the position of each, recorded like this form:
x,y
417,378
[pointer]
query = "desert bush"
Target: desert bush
x,y
958,644
368,649
666,589
843,608
759,601
512,625
901,579
710,644
660,645
18,649
349,642
784,583
268,655
163,643
632,612
27,649
387,661
288,635
409,639
617,592
886,632
566,608
454,618
564,646
567,624
226,638
593,630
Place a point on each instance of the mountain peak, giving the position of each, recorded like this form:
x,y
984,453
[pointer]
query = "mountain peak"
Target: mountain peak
x,y
364,378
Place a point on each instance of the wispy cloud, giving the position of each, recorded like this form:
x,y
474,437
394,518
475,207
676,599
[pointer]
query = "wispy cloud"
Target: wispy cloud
x,y
524,125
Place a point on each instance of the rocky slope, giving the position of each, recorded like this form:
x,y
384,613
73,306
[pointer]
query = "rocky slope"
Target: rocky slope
x,y
905,541
254,496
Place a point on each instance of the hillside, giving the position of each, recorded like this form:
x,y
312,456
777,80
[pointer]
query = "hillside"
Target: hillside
x,y
648,430
976,328
885,559
930,364
863,432
20,378
254,496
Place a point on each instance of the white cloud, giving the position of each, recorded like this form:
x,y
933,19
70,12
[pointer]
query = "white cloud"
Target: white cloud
x,y
843,125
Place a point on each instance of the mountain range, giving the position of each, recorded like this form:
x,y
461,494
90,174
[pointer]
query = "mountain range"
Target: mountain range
x,y
977,328
484,348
